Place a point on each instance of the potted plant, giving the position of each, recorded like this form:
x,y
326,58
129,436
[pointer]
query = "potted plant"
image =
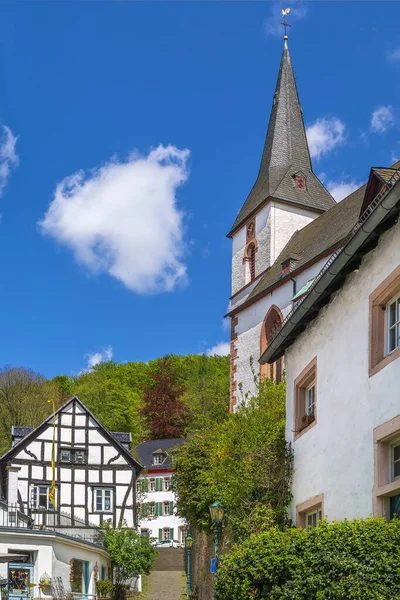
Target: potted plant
x,y
103,587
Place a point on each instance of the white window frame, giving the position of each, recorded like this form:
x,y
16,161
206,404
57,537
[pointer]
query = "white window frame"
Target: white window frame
x,y
82,461
308,404
317,513
103,497
393,445
166,513
396,325
35,494
151,509
158,459
139,486
152,484
166,534
167,484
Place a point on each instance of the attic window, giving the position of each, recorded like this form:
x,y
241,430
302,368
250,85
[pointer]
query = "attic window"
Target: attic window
x,y
158,458
289,265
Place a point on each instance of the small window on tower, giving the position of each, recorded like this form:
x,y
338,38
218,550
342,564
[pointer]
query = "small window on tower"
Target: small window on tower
x,y
250,231
300,182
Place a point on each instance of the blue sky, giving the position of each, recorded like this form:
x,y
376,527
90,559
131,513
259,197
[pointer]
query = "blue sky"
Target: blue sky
x,y
131,135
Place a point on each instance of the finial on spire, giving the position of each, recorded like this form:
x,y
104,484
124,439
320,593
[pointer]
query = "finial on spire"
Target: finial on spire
x,y
285,11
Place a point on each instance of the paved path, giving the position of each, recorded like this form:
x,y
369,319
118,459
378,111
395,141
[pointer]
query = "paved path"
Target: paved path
x,y
165,585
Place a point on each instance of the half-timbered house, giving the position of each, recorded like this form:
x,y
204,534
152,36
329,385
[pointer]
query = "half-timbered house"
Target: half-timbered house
x,y
95,481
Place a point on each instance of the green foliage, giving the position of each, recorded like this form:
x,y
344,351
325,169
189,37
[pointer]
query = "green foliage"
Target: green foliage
x,y
131,554
103,587
356,560
243,462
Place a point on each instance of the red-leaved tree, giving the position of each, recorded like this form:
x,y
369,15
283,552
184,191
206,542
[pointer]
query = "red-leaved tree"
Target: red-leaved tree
x,y
163,411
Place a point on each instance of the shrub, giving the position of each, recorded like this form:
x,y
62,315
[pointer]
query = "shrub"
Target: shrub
x,y
103,587
358,560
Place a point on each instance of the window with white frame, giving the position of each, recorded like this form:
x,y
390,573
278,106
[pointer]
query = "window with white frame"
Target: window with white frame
x,y
167,482
310,400
166,510
395,460
40,497
313,517
393,324
166,535
139,486
103,499
152,485
79,457
152,509
158,459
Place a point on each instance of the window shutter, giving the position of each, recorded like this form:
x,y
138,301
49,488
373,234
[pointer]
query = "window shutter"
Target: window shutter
x,y
145,485
160,535
159,509
144,509
171,508
158,484
171,534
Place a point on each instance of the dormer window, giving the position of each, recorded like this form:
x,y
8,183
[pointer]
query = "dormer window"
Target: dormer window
x,y
299,180
158,458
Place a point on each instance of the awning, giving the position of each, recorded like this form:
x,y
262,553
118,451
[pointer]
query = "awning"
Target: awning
x,y
6,558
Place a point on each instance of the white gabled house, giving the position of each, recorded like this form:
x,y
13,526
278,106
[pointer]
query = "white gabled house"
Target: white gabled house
x,y
95,479
341,344
156,500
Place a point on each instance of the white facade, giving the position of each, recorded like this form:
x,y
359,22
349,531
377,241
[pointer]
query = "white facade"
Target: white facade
x,y
157,509
53,555
275,223
334,460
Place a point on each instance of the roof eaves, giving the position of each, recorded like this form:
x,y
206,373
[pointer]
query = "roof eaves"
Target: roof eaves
x,y
332,272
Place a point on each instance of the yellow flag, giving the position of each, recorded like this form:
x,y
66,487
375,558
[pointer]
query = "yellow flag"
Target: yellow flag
x,y
52,492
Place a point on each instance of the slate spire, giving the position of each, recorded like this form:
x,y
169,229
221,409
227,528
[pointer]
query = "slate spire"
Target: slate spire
x,y
286,153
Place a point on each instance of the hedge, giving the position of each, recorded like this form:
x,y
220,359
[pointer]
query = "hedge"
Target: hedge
x,y
357,559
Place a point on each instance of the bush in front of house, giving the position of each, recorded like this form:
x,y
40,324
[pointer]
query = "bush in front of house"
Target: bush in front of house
x,y
357,560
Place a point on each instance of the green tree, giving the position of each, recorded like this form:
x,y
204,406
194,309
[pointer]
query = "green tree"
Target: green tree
x,y
351,559
131,555
25,399
244,462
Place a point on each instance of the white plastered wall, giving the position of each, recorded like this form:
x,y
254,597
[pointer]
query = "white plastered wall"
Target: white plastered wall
x,y
275,224
52,555
336,456
249,325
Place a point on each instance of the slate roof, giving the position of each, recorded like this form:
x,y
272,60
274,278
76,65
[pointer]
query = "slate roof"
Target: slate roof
x,y
20,432
285,154
146,450
122,437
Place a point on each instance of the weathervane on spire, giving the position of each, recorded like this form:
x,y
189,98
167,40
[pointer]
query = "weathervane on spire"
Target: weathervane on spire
x,y
285,11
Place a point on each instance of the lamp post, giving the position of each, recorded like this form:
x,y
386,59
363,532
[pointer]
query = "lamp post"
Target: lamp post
x,y
188,546
217,515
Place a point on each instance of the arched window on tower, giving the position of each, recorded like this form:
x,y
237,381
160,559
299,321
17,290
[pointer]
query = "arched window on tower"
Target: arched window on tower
x,y
270,327
252,261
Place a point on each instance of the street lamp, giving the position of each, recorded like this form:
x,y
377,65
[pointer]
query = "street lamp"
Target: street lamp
x,y
188,546
217,515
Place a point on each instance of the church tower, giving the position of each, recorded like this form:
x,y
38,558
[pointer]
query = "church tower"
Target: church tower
x,y
286,196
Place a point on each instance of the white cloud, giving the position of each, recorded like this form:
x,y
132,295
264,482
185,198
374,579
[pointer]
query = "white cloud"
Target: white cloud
x,y
382,118
273,25
221,349
324,135
122,218
341,189
97,357
8,155
394,56
395,158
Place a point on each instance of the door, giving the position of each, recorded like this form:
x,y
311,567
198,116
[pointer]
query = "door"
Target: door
x,y
20,576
